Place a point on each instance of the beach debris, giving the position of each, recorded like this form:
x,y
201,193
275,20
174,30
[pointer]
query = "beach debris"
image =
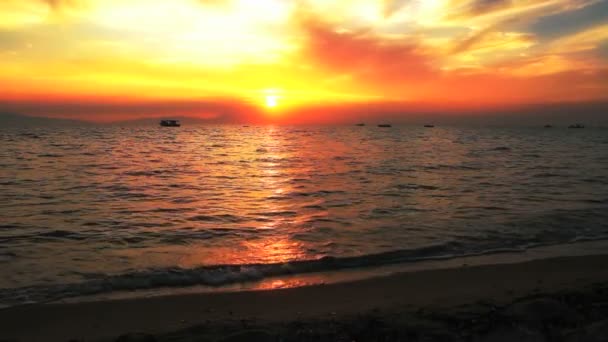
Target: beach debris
x,y
562,317
596,332
250,336
541,310
136,337
519,334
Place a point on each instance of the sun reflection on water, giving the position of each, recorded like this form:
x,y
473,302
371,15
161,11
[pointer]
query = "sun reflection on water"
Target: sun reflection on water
x,y
117,201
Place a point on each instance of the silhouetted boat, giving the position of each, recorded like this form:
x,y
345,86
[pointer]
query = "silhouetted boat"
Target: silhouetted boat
x,y
385,125
548,126
429,126
576,126
170,123
360,124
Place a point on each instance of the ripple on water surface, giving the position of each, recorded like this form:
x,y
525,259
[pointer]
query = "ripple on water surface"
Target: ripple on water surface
x,y
88,210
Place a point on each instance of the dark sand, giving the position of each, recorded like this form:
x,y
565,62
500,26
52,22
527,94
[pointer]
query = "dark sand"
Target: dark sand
x,y
559,299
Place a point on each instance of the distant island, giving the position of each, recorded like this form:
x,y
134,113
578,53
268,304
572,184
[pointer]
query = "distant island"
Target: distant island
x,y
19,120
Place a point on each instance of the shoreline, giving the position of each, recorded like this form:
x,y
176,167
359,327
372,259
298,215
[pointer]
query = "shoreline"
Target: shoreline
x,y
570,249
431,289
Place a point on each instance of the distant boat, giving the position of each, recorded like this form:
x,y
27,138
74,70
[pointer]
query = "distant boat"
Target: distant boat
x,y
385,125
170,123
360,124
429,126
576,126
548,126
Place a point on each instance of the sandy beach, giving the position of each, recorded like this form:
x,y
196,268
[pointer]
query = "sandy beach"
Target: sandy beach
x,y
415,303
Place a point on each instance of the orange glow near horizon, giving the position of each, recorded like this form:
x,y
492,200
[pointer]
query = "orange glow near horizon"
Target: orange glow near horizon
x,y
225,54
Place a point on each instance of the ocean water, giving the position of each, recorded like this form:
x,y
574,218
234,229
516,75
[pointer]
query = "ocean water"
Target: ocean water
x,y
87,211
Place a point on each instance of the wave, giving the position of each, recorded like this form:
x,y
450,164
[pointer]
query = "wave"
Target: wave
x,y
221,275
217,218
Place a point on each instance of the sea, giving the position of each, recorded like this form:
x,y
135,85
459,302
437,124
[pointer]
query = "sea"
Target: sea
x,y
93,211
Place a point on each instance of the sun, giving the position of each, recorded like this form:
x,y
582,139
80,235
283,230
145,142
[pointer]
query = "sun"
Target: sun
x,y
272,101
272,97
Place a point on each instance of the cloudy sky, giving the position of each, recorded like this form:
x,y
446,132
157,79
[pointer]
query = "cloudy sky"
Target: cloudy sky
x,y
117,59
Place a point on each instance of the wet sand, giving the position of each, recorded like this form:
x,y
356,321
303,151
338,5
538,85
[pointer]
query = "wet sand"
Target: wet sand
x,y
454,303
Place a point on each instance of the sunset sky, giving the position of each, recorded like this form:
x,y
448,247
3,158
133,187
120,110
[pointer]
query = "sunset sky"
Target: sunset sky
x,y
121,59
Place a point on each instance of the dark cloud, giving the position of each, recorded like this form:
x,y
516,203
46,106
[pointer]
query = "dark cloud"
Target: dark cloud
x,y
568,22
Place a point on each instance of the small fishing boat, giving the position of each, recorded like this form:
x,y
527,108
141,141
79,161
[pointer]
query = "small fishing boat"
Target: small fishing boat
x,y
576,126
385,125
429,126
548,126
360,124
170,123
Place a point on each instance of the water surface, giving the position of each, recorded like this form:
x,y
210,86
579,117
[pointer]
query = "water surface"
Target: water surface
x,y
93,210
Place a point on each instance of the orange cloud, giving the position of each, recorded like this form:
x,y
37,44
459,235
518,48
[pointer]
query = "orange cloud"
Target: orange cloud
x,y
407,69
449,54
361,57
56,4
